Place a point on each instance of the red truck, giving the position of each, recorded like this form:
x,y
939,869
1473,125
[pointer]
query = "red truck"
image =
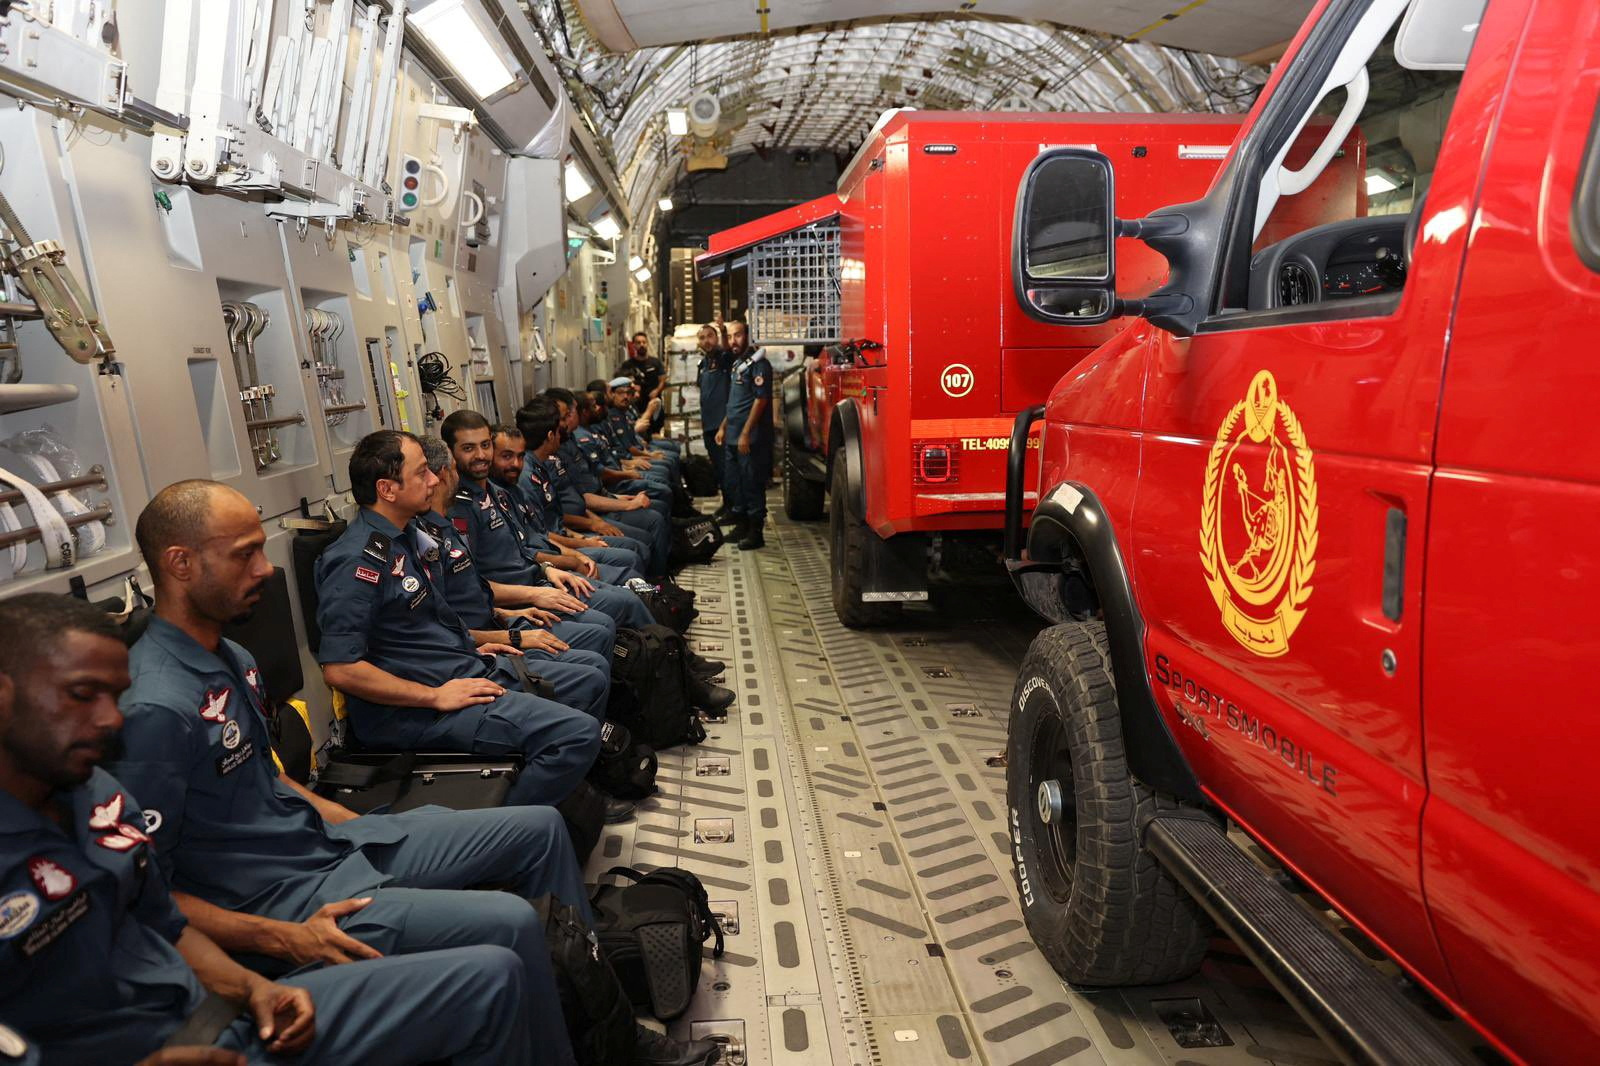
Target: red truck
x,y
905,275
1317,534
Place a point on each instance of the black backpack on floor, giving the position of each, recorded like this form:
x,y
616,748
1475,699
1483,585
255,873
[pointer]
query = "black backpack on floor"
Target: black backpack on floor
x,y
670,603
624,768
650,688
694,542
597,1010
700,475
651,932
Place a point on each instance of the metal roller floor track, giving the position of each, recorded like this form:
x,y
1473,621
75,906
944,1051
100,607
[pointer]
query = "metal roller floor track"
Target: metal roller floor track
x,y
846,817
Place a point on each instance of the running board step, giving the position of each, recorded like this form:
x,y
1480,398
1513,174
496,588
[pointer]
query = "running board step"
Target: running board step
x,y
1362,1015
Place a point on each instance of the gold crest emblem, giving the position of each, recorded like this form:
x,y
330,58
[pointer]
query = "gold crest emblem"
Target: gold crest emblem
x,y
1258,520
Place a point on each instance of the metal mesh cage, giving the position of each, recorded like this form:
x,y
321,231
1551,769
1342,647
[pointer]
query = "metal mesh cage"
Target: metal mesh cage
x,y
794,287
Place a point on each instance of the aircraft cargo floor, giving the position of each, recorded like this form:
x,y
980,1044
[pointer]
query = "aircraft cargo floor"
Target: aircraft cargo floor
x,y
845,815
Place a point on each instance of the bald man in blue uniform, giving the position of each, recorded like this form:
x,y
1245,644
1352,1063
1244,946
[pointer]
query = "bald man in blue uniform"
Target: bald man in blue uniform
x,y
411,674
97,964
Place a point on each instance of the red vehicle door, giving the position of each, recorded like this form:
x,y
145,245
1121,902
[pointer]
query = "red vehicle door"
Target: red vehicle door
x,y
1511,857
1278,525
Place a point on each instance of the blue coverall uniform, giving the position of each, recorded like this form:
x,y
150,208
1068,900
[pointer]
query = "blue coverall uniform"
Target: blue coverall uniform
x,y
581,674
614,566
751,381
89,968
714,380
575,477
377,604
537,486
197,750
603,454
486,515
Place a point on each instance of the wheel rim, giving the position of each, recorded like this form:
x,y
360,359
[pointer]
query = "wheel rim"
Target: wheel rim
x,y
1053,810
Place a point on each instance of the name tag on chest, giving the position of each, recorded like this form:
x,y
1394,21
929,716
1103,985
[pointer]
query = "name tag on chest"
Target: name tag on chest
x,y
61,919
230,761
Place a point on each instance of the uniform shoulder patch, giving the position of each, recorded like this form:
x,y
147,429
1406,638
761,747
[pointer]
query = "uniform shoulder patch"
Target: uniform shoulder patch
x,y
377,546
51,878
460,524
367,574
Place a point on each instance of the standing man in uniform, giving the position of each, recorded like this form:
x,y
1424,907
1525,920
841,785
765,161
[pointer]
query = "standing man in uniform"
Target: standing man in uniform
x,y
412,677
713,380
99,966
747,433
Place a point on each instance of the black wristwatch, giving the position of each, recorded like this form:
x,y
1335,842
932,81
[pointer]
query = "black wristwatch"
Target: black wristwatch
x,y
514,638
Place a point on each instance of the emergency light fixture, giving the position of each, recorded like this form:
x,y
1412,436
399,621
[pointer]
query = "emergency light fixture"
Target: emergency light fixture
x,y
664,204
606,228
677,122
574,183
643,274
452,28
1379,182
634,262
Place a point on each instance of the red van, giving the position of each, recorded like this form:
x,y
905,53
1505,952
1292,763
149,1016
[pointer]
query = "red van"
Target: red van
x,y
1317,532
905,276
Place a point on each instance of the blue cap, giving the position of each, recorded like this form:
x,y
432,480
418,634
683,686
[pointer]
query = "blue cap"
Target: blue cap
x,y
617,383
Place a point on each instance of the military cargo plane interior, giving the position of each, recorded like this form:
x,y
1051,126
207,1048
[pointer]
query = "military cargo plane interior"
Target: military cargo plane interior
x,y
776,533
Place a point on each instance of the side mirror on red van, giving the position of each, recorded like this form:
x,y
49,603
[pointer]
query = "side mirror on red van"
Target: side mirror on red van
x,y
1063,239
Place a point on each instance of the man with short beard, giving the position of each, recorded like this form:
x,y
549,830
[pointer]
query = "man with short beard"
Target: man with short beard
x,y
586,505
98,966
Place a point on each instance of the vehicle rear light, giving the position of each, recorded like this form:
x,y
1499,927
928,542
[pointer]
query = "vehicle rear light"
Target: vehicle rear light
x,y
933,462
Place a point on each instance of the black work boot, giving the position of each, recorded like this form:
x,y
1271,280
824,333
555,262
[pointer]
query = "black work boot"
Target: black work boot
x,y
728,517
713,699
722,514
736,532
651,1048
752,539
701,666
618,810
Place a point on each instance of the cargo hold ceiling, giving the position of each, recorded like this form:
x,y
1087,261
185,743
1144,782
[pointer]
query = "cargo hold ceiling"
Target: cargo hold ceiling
x,y
1221,27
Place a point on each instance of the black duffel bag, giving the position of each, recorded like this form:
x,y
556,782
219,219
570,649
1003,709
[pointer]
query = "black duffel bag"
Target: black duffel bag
x,y
694,541
650,688
598,1013
670,603
624,768
651,932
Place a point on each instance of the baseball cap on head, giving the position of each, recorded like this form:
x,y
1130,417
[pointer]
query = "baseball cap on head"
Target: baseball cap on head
x,y
619,382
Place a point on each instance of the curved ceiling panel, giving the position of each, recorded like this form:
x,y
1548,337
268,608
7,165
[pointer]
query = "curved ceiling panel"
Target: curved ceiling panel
x,y
1220,27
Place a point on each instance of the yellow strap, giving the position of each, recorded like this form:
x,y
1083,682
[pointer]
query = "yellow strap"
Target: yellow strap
x,y
1167,18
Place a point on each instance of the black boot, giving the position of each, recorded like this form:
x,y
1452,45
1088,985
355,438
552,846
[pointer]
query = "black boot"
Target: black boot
x,y
700,666
722,514
752,539
713,699
651,1048
727,517
736,532
618,810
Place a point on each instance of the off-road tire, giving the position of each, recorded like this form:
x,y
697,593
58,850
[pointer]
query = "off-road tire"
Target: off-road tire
x,y
848,556
803,499
1096,902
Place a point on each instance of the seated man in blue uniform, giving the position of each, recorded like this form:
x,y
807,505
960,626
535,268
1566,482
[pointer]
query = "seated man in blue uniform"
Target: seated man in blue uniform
x,y
619,428
412,676
747,434
98,965
508,469
587,507
259,863
485,514
573,656
617,471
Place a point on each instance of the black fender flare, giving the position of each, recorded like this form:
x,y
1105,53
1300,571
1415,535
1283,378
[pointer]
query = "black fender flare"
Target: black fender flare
x,y
794,410
844,441
1071,529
